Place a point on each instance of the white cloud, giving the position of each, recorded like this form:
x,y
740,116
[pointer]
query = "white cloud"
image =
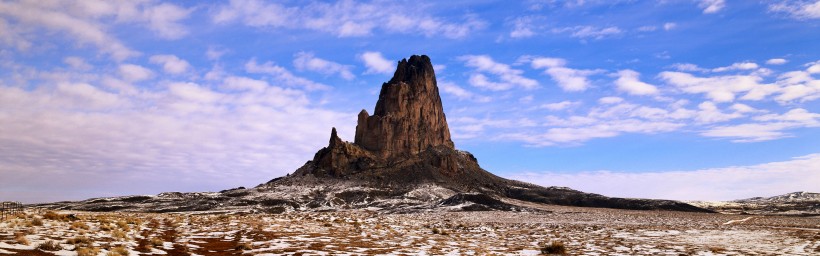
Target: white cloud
x,y
176,136
610,100
214,53
307,61
814,67
171,64
524,27
711,6
135,73
53,18
769,127
571,80
749,132
88,22
508,77
709,113
77,63
717,88
798,85
460,93
798,9
669,26
376,63
688,67
647,28
585,32
560,105
282,75
737,66
163,19
729,183
628,81
346,18
776,61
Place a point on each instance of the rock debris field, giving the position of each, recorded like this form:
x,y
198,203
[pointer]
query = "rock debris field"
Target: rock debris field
x,y
578,231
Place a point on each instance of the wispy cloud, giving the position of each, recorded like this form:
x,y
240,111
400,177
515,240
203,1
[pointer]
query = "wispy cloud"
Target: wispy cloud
x,y
282,75
589,32
171,64
569,79
507,76
711,6
797,9
86,22
729,183
376,63
628,81
307,61
346,18
238,131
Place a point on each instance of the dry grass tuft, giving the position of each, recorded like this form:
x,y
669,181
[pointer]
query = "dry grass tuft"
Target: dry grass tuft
x,y
556,247
156,241
118,251
35,222
49,245
20,238
119,234
51,215
79,240
79,225
88,251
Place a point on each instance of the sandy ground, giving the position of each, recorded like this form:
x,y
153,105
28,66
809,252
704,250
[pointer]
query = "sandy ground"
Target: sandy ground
x,y
582,231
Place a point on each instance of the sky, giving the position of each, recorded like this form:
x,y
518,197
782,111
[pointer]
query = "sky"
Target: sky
x,y
673,99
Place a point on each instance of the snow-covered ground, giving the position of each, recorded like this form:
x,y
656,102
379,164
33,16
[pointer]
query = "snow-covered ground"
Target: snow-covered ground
x,y
588,231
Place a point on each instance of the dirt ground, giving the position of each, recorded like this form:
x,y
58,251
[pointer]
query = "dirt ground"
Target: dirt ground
x,y
577,231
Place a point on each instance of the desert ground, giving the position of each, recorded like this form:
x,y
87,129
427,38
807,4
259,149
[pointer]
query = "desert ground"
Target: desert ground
x,y
572,230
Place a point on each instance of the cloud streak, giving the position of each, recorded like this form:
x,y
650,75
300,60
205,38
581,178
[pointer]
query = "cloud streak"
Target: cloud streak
x,y
737,182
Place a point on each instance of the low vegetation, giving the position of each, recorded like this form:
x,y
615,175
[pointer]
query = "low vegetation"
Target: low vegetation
x,y
591,231
556,247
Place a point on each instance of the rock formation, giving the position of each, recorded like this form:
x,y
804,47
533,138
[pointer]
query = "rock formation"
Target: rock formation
x,y
402,160
409,117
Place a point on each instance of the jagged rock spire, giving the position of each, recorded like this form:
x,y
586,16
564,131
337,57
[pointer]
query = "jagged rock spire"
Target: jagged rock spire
x,y
409,117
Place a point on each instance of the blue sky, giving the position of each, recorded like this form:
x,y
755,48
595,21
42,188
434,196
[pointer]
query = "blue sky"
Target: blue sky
x,y
689,100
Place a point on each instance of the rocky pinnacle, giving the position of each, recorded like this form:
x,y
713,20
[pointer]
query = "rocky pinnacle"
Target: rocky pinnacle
x,y
409,117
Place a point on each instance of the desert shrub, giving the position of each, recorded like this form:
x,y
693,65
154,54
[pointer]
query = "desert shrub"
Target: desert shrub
x,y
36,222
51,215
123,225
78,240
20,238
106,227
156,241
117,251
79,225
119,234
440,231
88,251
556,247
50,245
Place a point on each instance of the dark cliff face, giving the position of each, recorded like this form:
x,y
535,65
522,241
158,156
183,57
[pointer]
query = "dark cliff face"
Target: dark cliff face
x,y
409,117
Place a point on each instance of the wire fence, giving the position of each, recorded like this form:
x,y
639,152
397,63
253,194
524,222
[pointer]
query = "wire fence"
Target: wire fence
x,y
10,209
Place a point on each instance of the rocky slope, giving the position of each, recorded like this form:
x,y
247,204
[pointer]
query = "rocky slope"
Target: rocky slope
x,y
795,203
401,160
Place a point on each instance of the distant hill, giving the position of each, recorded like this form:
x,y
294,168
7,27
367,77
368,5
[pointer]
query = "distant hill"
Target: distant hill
x,y
795,203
